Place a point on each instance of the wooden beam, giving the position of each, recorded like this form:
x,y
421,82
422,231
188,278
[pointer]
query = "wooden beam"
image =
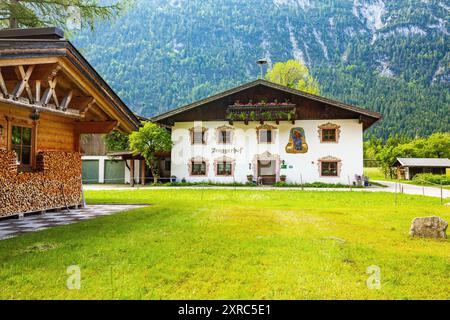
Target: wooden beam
x,y
65,102
95,126
23,83
27,61
87,107
71,113
99,113
143,172
38,91
132,173
3,88
49,92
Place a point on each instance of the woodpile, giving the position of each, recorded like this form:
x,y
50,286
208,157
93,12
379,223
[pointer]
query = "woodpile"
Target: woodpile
x,y
56,183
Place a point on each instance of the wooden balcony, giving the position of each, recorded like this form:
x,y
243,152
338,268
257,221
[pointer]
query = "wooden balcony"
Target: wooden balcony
x,y
261,112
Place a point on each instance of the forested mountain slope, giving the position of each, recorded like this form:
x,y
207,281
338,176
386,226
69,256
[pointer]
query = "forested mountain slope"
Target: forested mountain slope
x,y
387,56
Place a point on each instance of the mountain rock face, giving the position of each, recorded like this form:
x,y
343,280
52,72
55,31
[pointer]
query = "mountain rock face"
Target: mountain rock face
x,y
388,56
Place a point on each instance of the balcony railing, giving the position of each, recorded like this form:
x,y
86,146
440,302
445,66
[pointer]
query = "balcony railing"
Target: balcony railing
x,y
261,112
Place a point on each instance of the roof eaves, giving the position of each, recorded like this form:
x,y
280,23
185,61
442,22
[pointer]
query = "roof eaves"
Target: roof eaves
x,y
222,94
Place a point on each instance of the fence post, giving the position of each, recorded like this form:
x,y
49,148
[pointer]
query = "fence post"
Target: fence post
x,y
395,193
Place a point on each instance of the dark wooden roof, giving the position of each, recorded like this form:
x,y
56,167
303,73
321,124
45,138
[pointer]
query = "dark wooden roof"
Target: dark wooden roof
x,y
48,42
318,107
32,33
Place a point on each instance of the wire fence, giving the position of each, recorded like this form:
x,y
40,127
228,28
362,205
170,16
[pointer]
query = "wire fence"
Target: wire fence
x,y
425,187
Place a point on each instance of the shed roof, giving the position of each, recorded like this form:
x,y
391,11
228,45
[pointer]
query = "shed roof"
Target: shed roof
x,y
424,162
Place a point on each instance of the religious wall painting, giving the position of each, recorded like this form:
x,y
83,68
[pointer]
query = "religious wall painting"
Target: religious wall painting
x,y
297,141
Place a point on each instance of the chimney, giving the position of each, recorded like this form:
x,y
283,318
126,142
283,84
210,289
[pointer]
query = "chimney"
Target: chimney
x,y
49,33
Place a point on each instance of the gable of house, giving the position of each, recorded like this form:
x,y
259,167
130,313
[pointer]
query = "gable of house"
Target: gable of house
x,y
307,106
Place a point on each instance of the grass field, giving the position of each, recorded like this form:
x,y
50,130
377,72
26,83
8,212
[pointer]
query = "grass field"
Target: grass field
x,y
226,244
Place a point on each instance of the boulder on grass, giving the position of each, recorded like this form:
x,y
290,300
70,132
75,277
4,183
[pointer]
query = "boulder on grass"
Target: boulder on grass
x,y
429,227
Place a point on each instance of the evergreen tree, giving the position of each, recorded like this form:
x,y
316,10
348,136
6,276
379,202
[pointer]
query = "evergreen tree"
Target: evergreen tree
x,y
61,13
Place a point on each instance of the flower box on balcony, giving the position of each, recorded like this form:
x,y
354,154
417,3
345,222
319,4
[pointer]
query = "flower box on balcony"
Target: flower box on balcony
x,y
261,112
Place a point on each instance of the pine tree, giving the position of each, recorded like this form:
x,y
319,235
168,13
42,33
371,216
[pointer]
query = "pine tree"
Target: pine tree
x,y
61,13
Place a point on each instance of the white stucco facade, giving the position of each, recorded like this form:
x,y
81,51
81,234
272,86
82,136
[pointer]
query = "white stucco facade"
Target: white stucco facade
x,y
244,150
102,168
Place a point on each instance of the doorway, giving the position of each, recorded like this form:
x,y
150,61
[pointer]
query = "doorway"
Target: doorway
x,y
267,174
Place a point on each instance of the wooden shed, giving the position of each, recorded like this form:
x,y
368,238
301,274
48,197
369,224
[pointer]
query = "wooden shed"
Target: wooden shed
x,y
49,96
407,168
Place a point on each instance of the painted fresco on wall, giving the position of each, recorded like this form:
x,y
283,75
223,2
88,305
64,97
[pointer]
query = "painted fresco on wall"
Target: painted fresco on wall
x,y
297,141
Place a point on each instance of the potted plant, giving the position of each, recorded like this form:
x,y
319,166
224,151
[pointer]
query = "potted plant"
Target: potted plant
x,y
283,178
250,178
267,115
173,179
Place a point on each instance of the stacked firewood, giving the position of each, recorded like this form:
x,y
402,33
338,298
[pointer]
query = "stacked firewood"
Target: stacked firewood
x,y
56,183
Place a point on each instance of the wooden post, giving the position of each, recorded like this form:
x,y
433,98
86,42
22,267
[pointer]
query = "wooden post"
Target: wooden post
x,y
395,194
143,172
132,173
301,181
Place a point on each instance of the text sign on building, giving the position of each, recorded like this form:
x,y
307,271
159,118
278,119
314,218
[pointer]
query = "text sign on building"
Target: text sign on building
x,y
227,150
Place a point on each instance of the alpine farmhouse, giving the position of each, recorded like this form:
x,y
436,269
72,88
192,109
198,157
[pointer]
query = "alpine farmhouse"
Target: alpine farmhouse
x,y
49,96
266,133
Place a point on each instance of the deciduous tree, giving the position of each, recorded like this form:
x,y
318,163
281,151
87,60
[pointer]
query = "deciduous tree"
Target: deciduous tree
x,y
116,141
293,74
150,140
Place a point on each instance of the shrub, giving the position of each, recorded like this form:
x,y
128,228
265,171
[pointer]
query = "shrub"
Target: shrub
x,y
313,185
424,178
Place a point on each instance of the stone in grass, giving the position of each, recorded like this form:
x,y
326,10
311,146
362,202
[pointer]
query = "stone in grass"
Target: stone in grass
x,y
428,227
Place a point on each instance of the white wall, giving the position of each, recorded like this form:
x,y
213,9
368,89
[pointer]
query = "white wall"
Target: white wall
x,y
101,168
304,166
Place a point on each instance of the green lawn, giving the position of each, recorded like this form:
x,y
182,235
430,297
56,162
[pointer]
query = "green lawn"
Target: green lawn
x,y
243,244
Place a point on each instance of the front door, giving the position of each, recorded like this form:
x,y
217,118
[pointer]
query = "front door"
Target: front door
x,y
267,171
